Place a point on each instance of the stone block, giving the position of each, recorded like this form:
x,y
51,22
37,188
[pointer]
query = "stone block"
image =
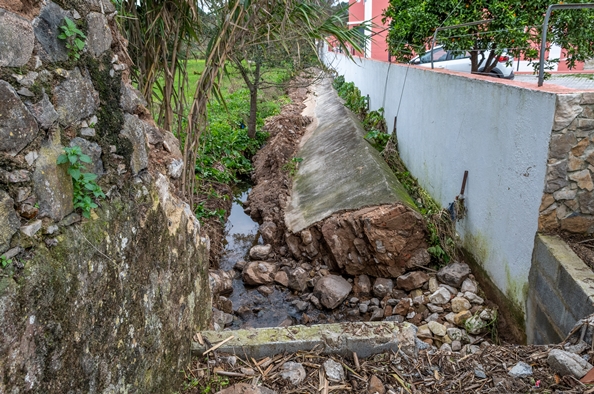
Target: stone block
x,y
44,112
544,257
586,201
9,219
16,40
134,131
583,179
568,108
556,177
546,290
131,99
75,98
585,124
580,147
51,182
577,224
561,144
47,28
575,284
548,332
99,34
17,126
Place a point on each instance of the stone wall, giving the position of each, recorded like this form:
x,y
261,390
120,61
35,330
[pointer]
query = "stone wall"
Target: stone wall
x,y
561,291
105,304
568,200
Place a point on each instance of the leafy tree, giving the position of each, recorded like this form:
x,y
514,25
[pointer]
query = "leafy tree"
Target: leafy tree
x,y
515,27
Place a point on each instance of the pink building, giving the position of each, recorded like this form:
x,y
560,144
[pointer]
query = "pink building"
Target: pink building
x,y
371,10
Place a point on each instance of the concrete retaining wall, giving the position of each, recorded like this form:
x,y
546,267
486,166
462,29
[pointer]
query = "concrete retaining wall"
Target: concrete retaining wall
x,y
561,291
499,132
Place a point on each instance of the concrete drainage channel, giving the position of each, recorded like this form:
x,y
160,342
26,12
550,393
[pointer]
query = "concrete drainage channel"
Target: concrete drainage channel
x,y
323,277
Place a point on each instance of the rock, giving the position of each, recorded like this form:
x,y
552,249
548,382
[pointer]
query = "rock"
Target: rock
x,y
475,325
375,386
98,34
583,179
244,388
240,265
521,370
403,307
456,346
424,331
260,252
221,282
488,315
395,240
445,348
17,126
331,290
51,182
47,28
469,285
556,177
225,304
382,287
298,278
153,134
334,371
561,144
473,298
31,229
16,40
93,150
27,211
268,231
434,308
44,112
377,314
265,290
461,317
175,168
437,328
568,108
134,130
460,304
454,274
259,273
566,363
31,157
293,372
440,297
454,333
288,322
75,98
315,301
281,278
433,284
449,288
301,306
221,318
412,280
407,339
16,176
131,99
9,219
363,308
480,373
362,285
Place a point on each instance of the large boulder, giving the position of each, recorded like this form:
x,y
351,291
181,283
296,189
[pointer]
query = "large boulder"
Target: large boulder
x,y
331,290
384,241
17,126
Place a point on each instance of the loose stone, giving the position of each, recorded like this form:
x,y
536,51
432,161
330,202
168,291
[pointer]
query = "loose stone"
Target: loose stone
x,y
440,297
521,370
334,371
382,287
293,372
460,304
454,274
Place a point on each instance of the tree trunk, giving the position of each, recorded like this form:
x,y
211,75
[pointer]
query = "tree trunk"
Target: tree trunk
x,y
254,101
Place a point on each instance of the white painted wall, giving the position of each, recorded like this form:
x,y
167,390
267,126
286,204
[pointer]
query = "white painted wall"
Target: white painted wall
x,y
499,133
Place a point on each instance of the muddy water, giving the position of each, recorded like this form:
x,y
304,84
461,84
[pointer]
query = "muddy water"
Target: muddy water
x,y
252,308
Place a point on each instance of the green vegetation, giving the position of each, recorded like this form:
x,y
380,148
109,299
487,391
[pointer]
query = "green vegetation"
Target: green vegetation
x,y
4,262
515,26
292,166
73,37
84,185
442,246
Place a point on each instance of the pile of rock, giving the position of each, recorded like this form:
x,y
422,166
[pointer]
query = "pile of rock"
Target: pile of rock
x,y
445,305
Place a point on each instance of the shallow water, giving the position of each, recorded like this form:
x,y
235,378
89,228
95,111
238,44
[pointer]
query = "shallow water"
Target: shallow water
x,y
241,233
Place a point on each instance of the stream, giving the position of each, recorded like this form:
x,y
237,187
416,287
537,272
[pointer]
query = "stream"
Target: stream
x,y
251,308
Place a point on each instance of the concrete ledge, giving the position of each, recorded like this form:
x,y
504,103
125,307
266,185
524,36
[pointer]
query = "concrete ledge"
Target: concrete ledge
x,y
561,291
364,338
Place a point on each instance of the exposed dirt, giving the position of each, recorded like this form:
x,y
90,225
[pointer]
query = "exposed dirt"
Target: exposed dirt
x,y
582,245
28,9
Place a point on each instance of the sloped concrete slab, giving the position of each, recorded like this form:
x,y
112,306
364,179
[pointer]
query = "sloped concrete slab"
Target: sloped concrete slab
x,y
340,170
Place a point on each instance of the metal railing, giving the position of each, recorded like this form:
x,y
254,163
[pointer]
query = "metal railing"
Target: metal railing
x,y
545,26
